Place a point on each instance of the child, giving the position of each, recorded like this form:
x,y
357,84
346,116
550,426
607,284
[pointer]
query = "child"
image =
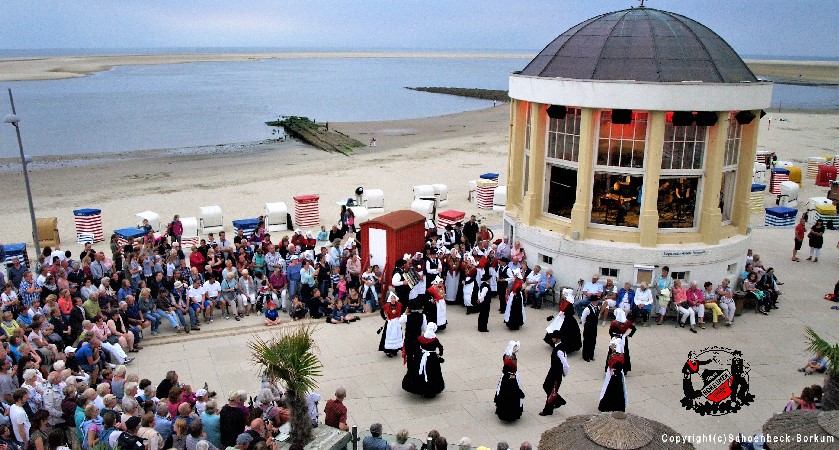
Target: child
x,y
335,278
342,287
805,403
200,401
272,316
323,235
263,296
297,310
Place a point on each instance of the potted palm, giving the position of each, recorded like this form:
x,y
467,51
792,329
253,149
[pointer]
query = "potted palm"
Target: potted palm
x,y
817,345
288,356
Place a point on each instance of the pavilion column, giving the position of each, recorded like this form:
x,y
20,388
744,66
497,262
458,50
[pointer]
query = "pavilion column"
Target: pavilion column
x,y
711,216
585,160
532,203
518,115
652,174
745,173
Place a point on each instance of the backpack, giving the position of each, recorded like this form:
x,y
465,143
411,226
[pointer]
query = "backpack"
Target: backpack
x,y
128,441
84,427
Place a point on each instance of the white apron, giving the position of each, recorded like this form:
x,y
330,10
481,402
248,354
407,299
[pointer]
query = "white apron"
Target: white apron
x,y
467,293
441,313
393,335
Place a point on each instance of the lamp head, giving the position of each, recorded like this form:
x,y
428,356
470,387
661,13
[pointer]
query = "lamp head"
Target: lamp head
x,y
12,119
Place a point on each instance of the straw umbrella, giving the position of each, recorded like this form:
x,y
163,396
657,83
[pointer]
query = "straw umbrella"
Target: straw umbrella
x,y
610,430
821,428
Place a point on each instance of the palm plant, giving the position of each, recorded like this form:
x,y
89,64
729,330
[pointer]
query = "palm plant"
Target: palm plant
x,y
817,345
288,356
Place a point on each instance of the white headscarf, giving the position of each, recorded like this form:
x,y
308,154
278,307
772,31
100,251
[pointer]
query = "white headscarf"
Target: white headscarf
x,y
517,273
437,280
512,347
568,295
620,315
430,331
392,295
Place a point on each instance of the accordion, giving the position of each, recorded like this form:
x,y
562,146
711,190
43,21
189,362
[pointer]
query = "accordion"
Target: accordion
x,y
411,277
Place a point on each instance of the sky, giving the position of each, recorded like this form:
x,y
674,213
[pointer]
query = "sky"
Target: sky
x,y
800,28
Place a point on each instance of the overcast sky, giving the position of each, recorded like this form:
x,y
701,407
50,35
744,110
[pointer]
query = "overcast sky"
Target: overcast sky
x,y
752,27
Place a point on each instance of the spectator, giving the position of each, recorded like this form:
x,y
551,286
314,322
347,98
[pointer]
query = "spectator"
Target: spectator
x,y
243,441
464,443
547,282
149,434
503,445
643,303
232,419
591,289
816,364
375,441
526,446
402,441
335,413
210,419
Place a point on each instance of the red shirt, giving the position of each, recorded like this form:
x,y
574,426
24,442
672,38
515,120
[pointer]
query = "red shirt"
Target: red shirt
x,y
335,413
799,231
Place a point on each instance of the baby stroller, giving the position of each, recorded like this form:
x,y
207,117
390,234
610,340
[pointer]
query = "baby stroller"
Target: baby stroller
x,y
262,299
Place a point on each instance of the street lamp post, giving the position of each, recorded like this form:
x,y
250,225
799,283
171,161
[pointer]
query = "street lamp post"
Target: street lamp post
x,y
15,121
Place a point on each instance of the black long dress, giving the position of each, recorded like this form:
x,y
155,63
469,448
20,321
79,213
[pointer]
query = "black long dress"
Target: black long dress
x,y
617,329
553,380
430,383
569,330
484,306
515,304
508,395
411,350
590,332
613,397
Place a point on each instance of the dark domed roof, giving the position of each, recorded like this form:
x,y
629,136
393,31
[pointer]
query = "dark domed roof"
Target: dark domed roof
x,y
640,44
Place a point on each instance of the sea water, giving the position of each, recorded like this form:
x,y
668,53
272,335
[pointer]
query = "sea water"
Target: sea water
x,y
182,105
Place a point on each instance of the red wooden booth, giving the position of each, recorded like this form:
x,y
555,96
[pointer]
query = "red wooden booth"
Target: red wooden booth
x,y
386,239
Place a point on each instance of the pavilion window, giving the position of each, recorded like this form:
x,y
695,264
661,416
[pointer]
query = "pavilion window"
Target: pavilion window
x,y
622,145
526,165
684,147
729,170
564,136
616,199
678,201
562,190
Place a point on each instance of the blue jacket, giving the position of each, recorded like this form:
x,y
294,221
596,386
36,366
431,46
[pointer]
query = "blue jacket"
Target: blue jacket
x,y
621,293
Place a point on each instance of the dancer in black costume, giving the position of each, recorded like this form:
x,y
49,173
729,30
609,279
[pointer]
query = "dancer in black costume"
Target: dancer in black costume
x,y
429,380
559,369
415,325
509,398
613,395
566,324
589,318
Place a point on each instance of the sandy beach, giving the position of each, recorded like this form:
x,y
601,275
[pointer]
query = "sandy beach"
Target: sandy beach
x,y
241,178
56,68
62,67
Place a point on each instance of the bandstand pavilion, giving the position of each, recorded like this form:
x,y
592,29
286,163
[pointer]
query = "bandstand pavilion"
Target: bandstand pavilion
x,y
632,143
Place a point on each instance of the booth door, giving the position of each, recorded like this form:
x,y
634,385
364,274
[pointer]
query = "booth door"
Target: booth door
x,y
378,246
